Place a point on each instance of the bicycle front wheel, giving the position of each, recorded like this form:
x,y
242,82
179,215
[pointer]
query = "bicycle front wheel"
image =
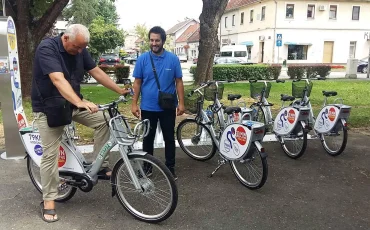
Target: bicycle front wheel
x,y
157,198
335,141
195,140
251,171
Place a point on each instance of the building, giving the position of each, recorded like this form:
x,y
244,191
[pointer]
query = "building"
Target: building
x,y
177,30
308,31
187,38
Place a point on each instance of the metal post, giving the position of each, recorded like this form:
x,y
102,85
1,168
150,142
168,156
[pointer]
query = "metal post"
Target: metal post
x,y
278,54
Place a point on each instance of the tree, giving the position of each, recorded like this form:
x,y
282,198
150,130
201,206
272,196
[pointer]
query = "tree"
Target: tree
x,y
103,37
85,11
33,19
142,33
168,45
209,21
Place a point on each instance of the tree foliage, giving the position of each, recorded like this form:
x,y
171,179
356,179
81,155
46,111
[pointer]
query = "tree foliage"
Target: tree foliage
x,y
104,36
85,11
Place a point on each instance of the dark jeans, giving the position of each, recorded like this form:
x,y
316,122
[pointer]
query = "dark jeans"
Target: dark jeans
x,y
167,121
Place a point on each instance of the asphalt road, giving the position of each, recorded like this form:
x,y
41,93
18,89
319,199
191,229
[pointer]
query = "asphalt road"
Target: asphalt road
x,y
316,191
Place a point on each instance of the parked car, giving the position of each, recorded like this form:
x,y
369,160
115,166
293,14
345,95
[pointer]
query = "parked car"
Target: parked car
x,y
230,60
362,66
109,59
130,59
182,57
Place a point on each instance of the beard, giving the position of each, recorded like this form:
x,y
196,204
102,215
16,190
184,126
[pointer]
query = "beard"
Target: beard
x,y
156,49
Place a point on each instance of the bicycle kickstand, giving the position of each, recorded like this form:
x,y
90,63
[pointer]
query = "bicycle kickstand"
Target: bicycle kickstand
x,y
220,163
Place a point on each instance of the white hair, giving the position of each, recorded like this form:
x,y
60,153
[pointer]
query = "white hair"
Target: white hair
x,y
75,29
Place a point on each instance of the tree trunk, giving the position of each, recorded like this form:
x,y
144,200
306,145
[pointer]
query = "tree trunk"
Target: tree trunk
x,y
209,21
30,33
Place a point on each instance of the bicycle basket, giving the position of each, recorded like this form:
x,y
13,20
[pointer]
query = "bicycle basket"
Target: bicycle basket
x,y
209,92
191,102
122,127
257,87
298,88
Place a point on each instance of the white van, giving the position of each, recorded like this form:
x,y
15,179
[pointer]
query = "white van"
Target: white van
x,y
239,51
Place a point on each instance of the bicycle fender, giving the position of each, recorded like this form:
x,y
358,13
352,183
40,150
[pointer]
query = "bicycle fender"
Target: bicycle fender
x,y
141,153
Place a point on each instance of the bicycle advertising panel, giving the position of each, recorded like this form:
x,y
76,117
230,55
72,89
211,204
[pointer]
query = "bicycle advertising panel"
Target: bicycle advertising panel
x,y
285,121
66,159
15,75
235,141
326,119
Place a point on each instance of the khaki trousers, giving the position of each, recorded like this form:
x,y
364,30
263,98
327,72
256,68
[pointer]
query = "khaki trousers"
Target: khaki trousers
x,y
51,139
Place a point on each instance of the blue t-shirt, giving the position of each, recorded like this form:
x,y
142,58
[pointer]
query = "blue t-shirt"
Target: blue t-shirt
x,y
168,68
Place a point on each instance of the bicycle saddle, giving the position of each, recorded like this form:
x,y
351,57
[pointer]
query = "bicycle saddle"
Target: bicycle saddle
x,y
230,110
329,93
285,97
232,97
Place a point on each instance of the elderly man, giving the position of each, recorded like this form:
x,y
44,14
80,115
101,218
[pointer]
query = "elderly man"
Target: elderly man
x,y
58,70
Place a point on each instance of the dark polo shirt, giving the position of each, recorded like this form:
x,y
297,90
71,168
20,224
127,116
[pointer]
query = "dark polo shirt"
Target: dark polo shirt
x,y
50,56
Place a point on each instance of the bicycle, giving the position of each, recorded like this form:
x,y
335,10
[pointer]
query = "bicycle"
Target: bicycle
x,y
75,172
290,124
237,143
332,118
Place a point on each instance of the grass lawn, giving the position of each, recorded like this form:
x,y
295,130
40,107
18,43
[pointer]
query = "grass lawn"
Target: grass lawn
x,y
355,93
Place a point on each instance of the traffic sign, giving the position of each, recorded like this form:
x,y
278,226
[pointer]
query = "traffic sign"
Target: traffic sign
x,y
279,40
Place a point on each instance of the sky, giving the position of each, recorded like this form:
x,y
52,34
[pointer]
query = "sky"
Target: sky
x,y
165,13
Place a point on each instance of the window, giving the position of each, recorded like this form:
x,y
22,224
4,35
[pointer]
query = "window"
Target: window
x,y
251,16
356,13
333,12
225,22
227,54
311,11
242,18
297,52
240,53
290,11
263,13
233,20
352,49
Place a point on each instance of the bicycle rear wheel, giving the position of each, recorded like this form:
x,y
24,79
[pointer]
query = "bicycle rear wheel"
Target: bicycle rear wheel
x,y
335,141
66,192
295,144
251,171
158,190
195,140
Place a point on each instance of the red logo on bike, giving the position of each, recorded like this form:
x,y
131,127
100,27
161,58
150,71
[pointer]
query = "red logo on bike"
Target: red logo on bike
x,y
332,114
241,135
21,122
291,116
62,157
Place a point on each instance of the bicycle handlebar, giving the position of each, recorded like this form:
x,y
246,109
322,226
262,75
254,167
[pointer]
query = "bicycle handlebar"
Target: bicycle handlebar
x,y
107,106
209,83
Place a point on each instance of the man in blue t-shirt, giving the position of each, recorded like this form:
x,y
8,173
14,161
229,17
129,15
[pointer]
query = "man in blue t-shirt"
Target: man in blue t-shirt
x,y
168,68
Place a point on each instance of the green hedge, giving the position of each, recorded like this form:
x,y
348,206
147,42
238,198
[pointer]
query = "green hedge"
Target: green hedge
x,y
308,71
244,72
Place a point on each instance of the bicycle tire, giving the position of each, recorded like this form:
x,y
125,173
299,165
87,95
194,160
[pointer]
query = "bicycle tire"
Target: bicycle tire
x,y
135,213
243,181
38,187
303,147
343,144
186,150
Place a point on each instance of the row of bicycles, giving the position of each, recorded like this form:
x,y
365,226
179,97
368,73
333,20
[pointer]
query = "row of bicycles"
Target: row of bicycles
x,y
237,132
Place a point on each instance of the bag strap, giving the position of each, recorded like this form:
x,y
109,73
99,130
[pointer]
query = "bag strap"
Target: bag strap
x,y
154,71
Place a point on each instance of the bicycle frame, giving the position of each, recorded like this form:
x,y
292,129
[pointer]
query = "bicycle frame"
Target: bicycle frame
x,y
71,159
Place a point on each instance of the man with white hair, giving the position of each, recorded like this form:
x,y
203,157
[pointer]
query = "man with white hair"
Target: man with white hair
x,y
58,70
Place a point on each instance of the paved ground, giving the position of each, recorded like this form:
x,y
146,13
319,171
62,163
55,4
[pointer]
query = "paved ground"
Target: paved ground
x,y
314,192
